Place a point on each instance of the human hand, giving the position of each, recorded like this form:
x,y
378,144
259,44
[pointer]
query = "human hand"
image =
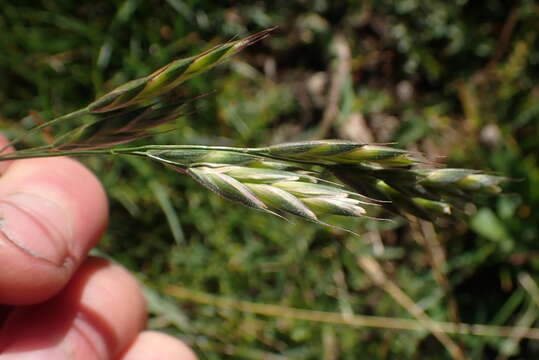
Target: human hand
x,y
63,304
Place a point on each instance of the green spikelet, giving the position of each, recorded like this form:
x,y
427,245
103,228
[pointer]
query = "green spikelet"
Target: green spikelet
x,y
463,180
226,186
171,75
282,201
335,152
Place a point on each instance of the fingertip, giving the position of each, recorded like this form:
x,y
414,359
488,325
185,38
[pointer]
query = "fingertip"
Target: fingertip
x,y
151,345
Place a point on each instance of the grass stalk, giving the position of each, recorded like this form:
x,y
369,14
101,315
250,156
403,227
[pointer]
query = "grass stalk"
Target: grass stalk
x,y
425,234
353,320
71,116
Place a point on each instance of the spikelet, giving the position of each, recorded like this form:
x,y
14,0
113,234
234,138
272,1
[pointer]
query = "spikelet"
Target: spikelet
x,y
461,181
190,157
105,130
333,152
267,186
170,76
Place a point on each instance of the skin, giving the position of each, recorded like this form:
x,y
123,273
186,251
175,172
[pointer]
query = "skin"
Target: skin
x,y
58,303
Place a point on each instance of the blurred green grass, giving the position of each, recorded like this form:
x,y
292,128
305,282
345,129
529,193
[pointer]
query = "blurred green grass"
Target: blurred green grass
x,y
456,80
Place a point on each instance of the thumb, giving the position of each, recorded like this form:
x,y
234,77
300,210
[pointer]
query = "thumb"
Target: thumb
x,y
52,211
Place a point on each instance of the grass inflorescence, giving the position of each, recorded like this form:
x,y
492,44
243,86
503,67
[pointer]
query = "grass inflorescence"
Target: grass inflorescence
x,y
307,179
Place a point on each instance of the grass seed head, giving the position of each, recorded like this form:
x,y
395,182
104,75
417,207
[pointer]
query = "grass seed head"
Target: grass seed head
x,y
335,152
486,184
303,189
226,186
282,201
118,127
170,76
190,157
277,191
335,206
464,180
439,208
263,176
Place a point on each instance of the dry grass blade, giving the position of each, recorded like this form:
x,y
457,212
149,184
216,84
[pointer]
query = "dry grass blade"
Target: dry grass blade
x,y
354,320
377,275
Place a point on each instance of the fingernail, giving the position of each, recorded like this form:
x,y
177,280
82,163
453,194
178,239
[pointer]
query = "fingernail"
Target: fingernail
x,y
36,225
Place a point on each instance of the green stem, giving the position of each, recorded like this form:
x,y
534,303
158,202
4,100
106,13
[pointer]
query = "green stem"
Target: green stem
x,y
69,116
252,151
15,156
261,151
136,150
140,151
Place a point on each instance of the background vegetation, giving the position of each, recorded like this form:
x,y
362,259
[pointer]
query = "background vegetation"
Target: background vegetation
x,y
454,79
